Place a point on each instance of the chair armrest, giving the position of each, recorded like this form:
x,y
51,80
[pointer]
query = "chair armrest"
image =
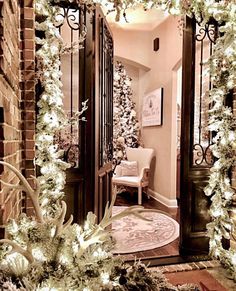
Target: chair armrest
x,y
117,172
144,174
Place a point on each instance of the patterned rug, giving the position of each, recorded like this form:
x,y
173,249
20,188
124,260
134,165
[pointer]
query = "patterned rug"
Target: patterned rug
x,y
133,234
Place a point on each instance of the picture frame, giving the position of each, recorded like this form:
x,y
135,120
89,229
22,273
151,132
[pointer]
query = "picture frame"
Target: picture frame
x,y
152,109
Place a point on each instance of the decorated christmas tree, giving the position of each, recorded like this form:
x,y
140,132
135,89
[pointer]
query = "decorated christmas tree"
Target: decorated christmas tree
x,y
126,128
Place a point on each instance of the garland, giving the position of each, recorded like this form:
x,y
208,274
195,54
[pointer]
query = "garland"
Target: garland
x,y
51,117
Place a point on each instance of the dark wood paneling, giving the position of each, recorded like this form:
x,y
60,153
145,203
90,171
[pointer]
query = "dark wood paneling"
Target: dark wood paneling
x,y
103,113
194,204
88,186
74,190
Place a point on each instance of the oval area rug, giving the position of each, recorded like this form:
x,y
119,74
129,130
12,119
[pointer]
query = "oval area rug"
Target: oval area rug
x,y
133,234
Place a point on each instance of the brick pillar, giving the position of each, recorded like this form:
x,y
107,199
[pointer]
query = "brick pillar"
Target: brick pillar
x,y
27,45
10,124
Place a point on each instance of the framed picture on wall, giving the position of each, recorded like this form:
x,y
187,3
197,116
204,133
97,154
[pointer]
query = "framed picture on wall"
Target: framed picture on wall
x,y
152,110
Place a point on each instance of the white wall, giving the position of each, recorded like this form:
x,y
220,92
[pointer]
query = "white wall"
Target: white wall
x,y
137,47
132,45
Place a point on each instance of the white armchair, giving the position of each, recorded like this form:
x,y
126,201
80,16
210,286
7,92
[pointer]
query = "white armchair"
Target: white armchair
x,y
143,156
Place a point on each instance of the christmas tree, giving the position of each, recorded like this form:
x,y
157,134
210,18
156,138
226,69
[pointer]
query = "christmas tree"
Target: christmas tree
x,y
126,128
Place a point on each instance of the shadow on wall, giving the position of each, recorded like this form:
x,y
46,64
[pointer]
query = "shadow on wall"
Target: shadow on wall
x,y
152,173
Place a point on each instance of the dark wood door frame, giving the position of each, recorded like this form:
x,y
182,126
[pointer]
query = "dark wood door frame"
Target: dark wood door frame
x,y
88,185
194,204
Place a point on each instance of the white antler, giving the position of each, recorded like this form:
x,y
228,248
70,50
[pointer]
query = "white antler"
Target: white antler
x,y
60,227
18,249
25,186
99,232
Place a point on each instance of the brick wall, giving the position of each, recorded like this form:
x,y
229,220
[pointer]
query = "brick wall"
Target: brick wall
x,y
27,45
17,100
11,135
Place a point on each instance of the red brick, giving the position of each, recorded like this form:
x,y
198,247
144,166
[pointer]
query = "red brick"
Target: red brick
x,y
28,13
29,125
29,172
29,95
28,3
29,76
29,115
29,154
29,65
29,105
27,23
28,54
29,85
28,34
28,44
28,134
20,54
30,144
29,164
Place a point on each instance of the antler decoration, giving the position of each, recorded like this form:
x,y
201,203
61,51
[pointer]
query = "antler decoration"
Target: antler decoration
x,y
60,227
34,196
96,236
25,186
18,249
97,233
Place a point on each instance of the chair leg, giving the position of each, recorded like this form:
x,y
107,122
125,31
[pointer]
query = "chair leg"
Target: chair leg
x,y
140,195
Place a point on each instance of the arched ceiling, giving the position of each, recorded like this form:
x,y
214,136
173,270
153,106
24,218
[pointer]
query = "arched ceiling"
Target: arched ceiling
x,y
138,18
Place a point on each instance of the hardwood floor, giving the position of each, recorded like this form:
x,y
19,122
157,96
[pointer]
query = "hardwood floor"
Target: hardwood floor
x,y
172,249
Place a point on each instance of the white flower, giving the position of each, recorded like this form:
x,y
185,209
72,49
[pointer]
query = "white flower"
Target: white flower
x,y
121,140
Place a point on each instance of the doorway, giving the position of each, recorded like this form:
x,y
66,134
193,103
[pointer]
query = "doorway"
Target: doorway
x,y
89,185
150,70
195,153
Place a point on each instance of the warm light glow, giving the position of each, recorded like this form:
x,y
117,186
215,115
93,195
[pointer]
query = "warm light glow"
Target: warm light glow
x,y
105,278
137,18
38,255
233,259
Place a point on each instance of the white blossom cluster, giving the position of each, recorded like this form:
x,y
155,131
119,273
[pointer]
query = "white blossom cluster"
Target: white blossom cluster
x,y
51,117
126,129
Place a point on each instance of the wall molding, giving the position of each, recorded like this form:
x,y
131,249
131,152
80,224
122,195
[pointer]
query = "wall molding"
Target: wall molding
x,y
170,203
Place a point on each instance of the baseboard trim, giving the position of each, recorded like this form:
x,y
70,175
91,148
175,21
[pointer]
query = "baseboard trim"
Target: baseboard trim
x,y
170,203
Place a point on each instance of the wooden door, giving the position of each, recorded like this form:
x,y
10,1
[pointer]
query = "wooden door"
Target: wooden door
x,y
196,158
87,75
103,113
